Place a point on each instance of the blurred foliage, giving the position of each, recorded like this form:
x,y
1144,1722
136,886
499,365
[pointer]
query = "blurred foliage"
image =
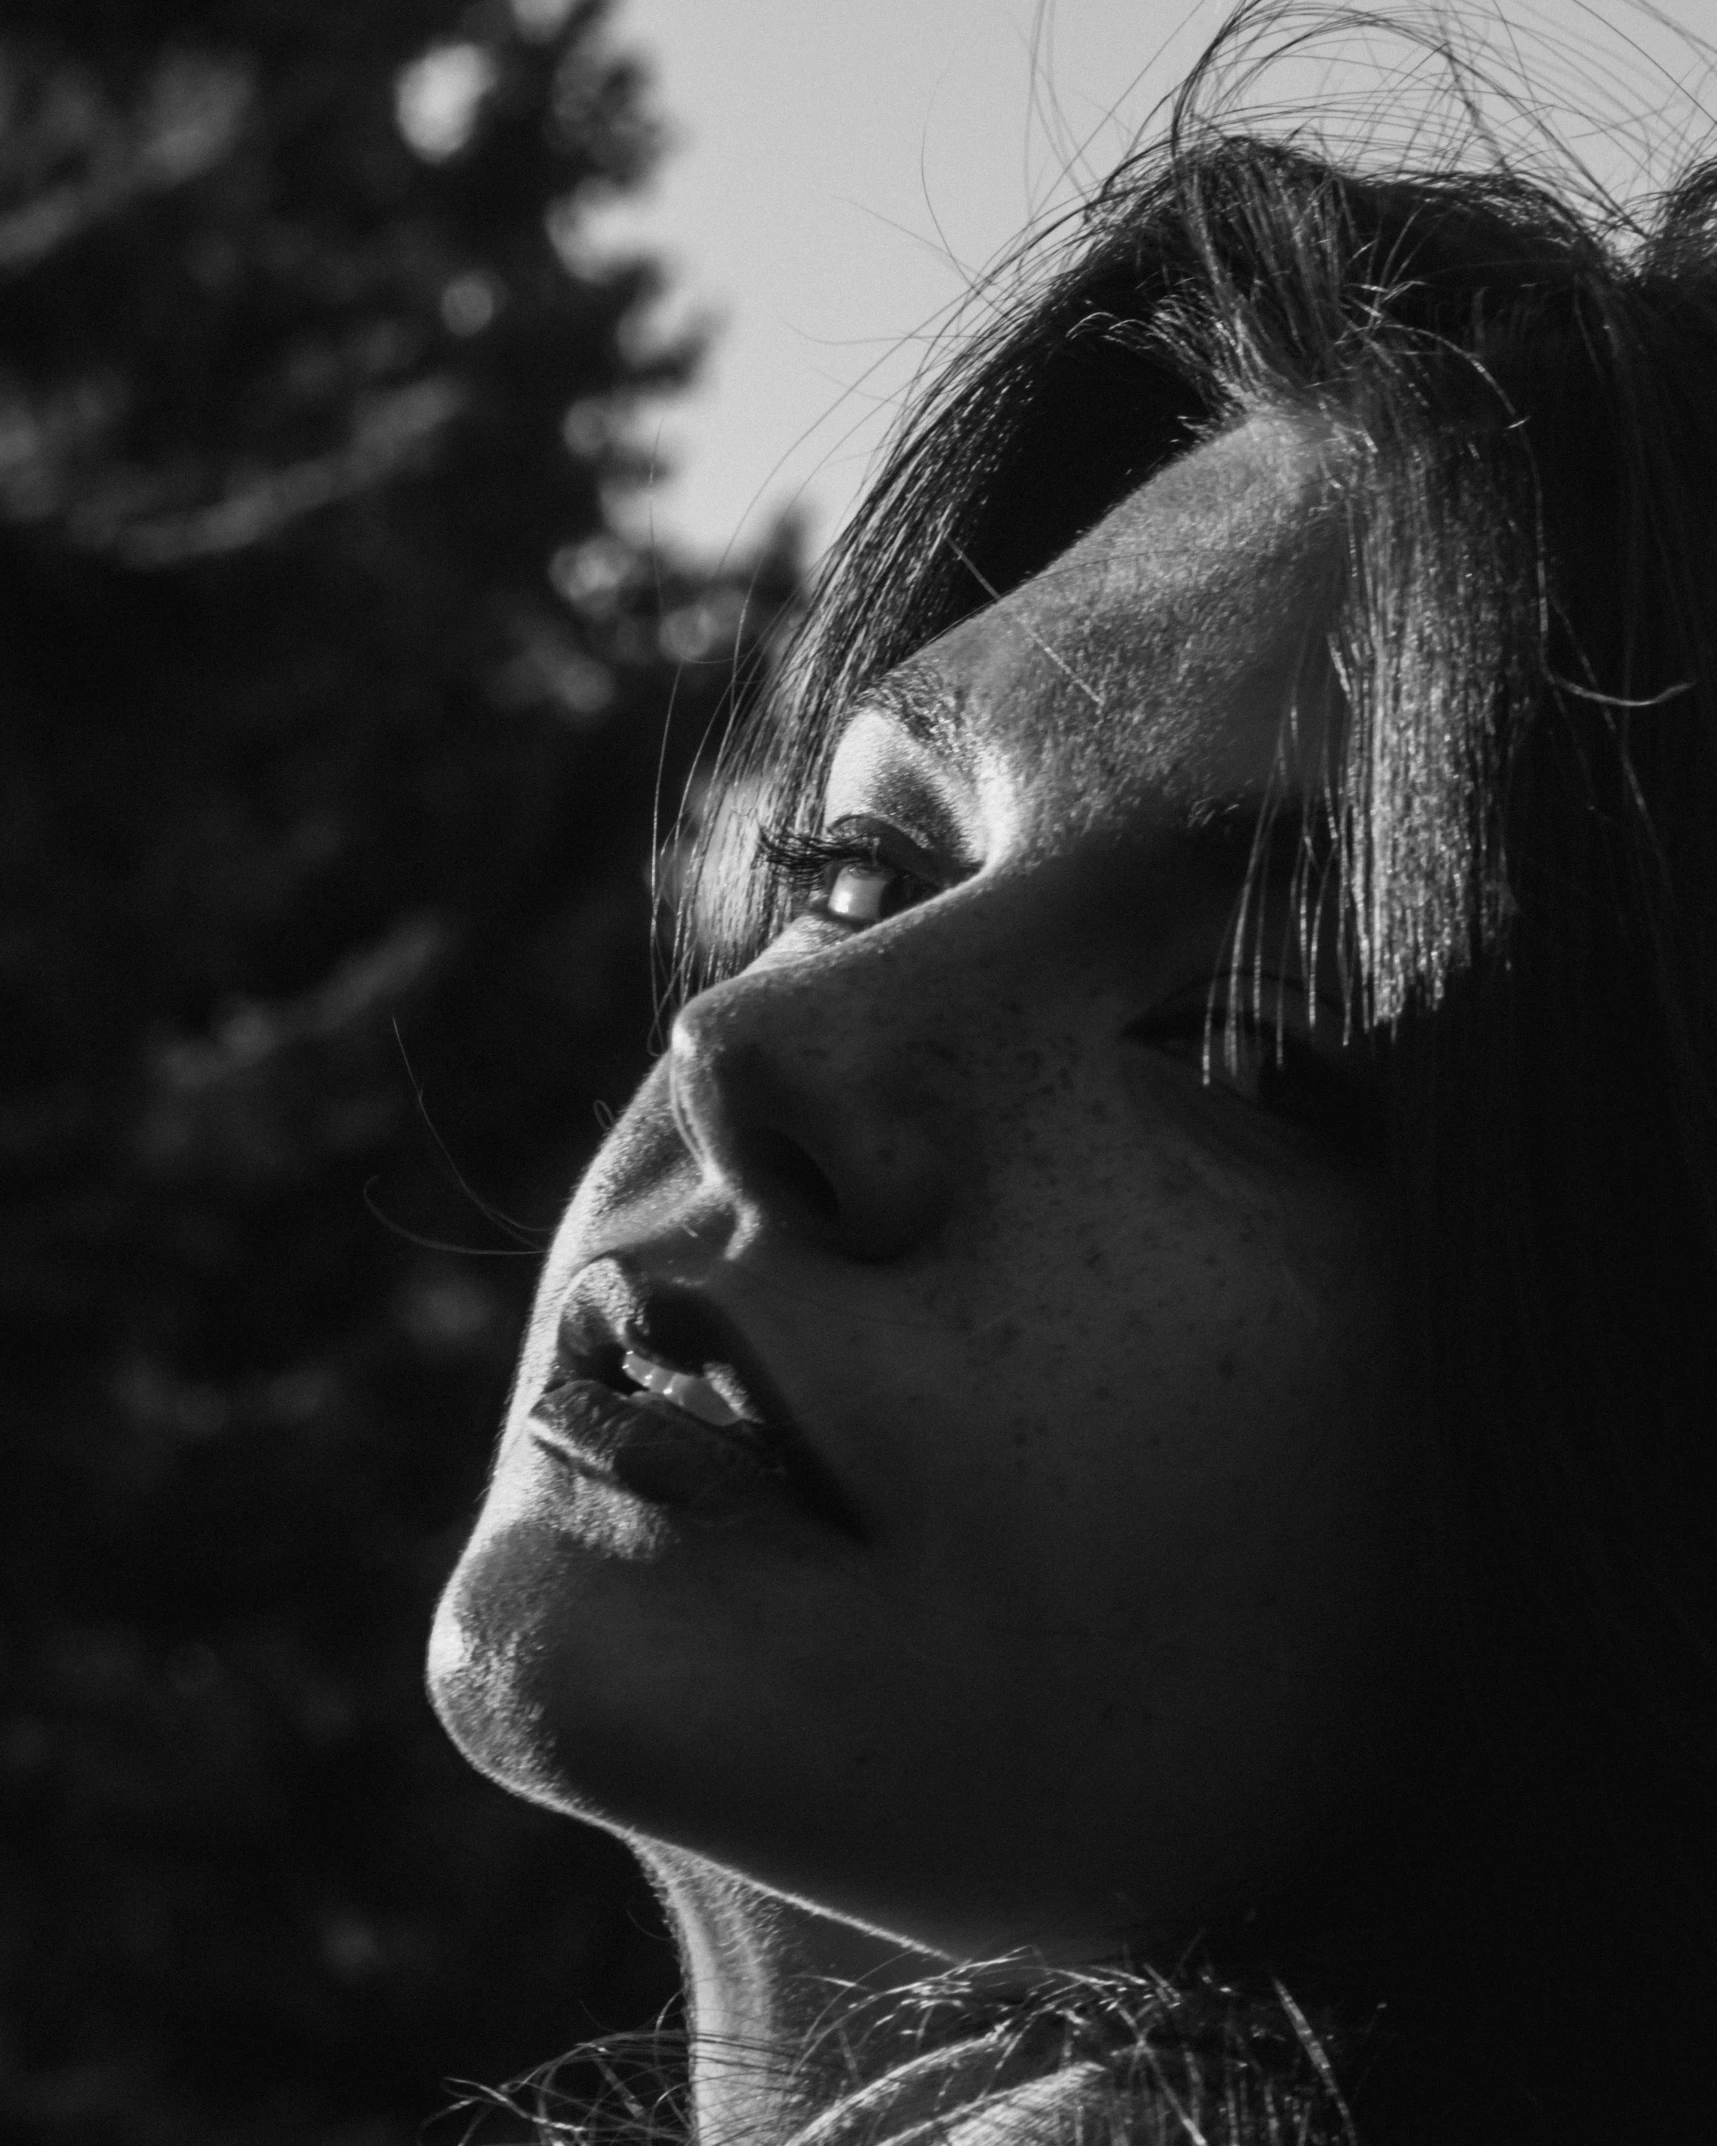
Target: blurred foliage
x,y
333,694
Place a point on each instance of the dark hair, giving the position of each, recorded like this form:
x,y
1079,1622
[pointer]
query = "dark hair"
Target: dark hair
x,y
1524,835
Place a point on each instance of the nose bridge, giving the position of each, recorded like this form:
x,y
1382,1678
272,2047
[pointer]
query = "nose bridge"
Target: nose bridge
x,y
825,1095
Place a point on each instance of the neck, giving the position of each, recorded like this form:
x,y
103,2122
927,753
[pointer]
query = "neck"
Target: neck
x,y
763,1976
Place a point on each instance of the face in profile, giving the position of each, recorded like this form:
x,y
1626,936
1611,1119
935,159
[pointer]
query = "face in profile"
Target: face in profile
x,y
957,1474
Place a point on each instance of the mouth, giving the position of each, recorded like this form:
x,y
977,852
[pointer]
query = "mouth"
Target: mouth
x,y
654,1388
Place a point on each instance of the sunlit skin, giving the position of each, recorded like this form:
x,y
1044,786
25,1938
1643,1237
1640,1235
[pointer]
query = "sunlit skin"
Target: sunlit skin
x,y
1098,1351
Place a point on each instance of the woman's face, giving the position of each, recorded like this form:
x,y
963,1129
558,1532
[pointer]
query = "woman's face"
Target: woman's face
x,y
1064,1597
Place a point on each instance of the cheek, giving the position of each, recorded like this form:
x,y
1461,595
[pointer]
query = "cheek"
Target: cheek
x,y
1175,1362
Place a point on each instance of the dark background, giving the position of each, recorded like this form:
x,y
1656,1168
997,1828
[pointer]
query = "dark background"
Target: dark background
x,y
334,705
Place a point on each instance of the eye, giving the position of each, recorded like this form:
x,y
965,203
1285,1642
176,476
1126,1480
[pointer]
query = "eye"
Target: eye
x,y
1292,1060
862,893
857,873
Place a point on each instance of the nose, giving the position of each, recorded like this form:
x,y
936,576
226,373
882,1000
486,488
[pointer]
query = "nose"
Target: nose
x,y
807,1095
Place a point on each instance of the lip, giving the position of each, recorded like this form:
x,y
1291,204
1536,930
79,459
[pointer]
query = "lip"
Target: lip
x,y
650,1448
589,1413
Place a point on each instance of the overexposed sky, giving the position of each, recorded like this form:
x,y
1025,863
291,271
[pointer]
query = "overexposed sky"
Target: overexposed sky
x,y
841,168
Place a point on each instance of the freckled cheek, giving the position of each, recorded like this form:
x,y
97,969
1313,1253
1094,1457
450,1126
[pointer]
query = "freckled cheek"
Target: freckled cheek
x,y
1127,1356
1036,1093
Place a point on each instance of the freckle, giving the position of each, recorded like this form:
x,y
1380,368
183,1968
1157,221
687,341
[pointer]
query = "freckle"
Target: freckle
x,y
1225,1367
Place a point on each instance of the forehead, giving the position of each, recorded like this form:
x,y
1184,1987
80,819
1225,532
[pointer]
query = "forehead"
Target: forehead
x,y
1157,657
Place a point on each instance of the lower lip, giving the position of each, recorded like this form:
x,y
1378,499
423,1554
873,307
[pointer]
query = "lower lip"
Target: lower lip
x,y
656,1451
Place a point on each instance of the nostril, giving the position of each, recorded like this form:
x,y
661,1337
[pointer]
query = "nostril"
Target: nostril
x,y
723,1102
777,1123
794,1172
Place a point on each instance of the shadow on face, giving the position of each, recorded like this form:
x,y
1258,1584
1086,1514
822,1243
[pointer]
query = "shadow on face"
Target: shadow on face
x,y
959,1472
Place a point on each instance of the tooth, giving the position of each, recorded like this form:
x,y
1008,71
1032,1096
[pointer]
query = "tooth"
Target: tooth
x,y
699,1398
695,1395
654,1378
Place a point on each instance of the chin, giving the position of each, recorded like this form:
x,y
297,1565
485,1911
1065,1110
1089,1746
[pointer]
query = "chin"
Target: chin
x,y
479,1686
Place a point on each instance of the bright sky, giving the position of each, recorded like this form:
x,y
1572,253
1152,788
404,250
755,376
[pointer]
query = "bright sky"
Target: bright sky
x,y
840,168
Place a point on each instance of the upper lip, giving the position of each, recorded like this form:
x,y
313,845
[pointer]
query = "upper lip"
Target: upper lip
x,y
613,1305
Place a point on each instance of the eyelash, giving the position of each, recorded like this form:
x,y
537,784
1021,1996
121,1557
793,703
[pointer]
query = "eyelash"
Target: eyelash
x,y
1338,1101
801,860
810,865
